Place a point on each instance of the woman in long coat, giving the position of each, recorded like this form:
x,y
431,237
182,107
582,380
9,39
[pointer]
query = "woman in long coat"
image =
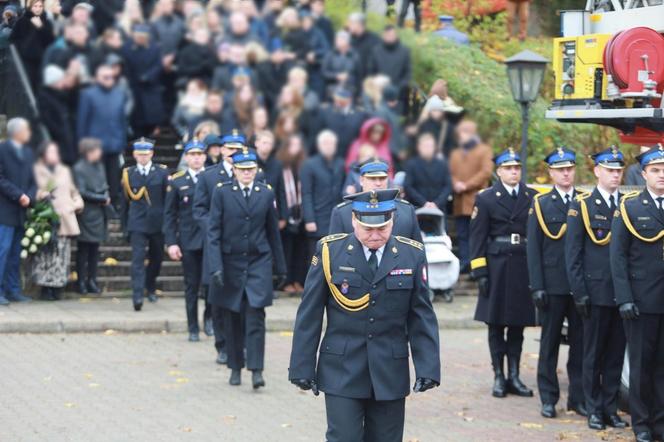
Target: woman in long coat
x,y
54,181
32,34
91,181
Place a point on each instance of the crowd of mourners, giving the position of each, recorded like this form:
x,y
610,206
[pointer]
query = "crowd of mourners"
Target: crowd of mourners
x,y
107,72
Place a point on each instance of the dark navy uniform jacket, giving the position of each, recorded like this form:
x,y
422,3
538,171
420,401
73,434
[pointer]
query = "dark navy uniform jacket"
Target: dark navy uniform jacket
x,y
588,263
243,239
364,353
546,255
16,179
637,265
179,225
146,215
405,221
321,191
497,216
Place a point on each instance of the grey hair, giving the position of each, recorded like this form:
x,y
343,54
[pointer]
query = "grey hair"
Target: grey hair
x,y
343,34
326,133
357,17
16,124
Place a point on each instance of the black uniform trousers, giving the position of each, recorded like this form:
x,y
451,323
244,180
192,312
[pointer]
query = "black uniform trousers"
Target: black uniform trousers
x,y
501,343
142,276
559,308
192,264
246,327
645,336
218,325
604,353
87,258
364,420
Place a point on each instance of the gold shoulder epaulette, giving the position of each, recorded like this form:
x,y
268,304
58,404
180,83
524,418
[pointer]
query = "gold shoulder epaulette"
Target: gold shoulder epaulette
x,y
410,242
582,196
482,190
343,203
630,195
333,237
177,174
163,166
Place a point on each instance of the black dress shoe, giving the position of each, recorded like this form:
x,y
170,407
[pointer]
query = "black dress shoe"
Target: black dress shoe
x,y
499,386
193,337
152,297
515,386
207,327
643,436
548,411
93,287
236,377
56,293
46,294
595,422
578,408
138,306
615,421
222,358
257,380
81,288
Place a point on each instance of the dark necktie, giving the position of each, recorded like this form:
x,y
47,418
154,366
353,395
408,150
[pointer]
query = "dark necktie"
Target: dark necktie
x,y
246,193
612,202
567,199
373,261
513,193
660,200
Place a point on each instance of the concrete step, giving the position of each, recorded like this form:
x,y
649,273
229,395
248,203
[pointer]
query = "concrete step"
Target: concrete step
x,y
123,268
123,282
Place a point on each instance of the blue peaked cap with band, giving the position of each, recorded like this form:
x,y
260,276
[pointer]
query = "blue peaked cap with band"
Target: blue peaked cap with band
x,y
143,145
245,159
234,140
653,156
374,168
561,157
611,158
507,158
373,208
194,146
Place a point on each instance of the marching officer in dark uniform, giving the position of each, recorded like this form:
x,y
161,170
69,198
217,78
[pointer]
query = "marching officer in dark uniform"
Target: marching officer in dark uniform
x,y
184,237
549,287
498,260
243,241
373,176
373,287
637,266
220,173
142,215
589,273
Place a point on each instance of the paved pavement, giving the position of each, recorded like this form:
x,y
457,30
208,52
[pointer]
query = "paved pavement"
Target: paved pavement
x,y
158,387
99,314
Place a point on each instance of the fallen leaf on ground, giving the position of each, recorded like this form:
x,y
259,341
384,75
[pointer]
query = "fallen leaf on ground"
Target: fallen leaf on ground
x,y
182,380
109,332
93,385
84,300
468,419
229,418
286,333
286,425
566,435
175,373
110,261
87,375
70,404
187,429
531,425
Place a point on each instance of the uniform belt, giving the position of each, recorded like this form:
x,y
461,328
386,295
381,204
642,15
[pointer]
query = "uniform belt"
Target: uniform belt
x,y
514,239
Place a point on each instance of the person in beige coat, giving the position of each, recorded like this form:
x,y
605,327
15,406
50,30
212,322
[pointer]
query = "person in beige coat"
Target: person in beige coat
x,y
471,167
54,181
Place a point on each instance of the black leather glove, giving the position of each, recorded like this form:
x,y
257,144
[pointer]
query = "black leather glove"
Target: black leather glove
x,y
306,384
280,280
218,278
483,286
540,299
424,384
583,306
629,310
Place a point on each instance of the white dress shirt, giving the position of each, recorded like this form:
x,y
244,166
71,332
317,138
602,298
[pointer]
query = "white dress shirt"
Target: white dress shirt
x,y
565,195
510,189
379,253
228,167
250,186
144,170
194,174
606,195
654,198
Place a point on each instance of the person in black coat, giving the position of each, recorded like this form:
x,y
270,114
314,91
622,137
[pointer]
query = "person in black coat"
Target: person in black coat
x,y
392,59
90,177
322,177
373,176
244,241
142,217
373,289
637,269
342,118
549,287
32,34
17,192
273,172
184,237
53,98
498,261
363,41
196,59
589,273
428,182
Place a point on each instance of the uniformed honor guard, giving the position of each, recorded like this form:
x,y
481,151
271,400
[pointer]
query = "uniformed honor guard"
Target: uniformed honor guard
x,y
498,260
547,224
588,264
243,242
209,179
373,176
184,237
144,188
373,288
637,266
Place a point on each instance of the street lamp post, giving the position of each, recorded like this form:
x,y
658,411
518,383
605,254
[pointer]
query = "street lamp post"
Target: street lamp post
x,y
525,72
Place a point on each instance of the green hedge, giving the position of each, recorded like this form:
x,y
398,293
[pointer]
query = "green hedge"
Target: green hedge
x,y
479,83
